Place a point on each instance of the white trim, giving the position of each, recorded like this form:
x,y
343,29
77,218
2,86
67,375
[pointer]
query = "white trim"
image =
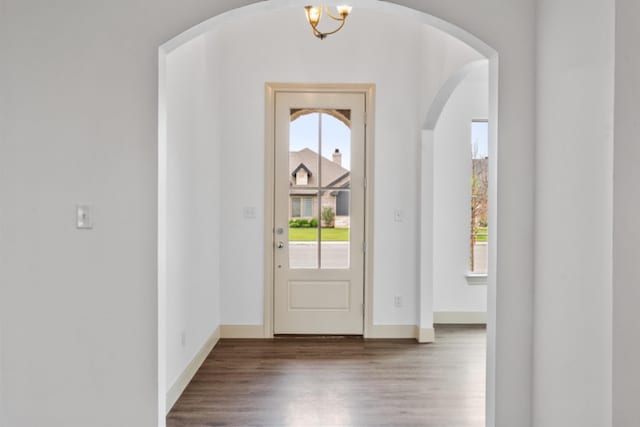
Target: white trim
x,y
392,331
422,335
460,317
269,203
271,88
369,235
425,335
183,380
477,279
242,331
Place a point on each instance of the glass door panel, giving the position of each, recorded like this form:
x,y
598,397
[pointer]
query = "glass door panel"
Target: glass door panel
x,y
319,218
319,182
335,238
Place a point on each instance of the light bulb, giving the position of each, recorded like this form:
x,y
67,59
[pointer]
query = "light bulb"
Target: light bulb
x,y
344,10
313,14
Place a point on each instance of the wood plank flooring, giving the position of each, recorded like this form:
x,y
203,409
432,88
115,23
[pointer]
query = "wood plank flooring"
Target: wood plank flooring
x,y
340,382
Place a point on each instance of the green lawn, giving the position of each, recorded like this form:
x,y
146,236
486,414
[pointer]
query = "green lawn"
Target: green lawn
x,y
482,234
311,234
342,235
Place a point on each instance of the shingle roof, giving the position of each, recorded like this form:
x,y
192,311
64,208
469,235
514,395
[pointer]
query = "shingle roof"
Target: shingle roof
x,y
333,175
303,167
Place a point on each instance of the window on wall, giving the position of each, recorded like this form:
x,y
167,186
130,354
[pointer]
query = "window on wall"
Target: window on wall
x,y
301,207
479,196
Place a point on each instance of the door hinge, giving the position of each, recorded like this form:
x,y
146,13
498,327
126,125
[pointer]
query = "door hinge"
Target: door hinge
x,y
364,117
364,182
364,247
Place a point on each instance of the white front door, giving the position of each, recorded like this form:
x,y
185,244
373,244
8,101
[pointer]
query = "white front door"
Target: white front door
x,y
319,213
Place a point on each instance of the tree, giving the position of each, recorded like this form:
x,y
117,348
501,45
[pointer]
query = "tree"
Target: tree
x,y
328,216
479,201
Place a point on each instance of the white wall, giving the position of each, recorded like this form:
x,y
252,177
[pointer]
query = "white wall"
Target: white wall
x,y
451,54
403,60
572,346
626,252
193,207
451,202
79,98
78,123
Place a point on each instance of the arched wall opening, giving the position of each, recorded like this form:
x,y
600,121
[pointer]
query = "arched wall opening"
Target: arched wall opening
x,y
198,236
453,291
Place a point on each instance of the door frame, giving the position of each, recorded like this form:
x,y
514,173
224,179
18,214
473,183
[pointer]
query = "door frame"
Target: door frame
x,y
271,89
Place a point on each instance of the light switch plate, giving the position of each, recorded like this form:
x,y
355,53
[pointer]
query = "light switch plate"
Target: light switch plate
x,y
249,212
84,216
398,215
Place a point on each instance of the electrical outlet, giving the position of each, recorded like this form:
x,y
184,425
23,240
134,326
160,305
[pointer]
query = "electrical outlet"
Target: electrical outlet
x,y
397,301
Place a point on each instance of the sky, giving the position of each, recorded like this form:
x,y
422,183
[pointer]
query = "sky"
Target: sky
x,y
335,134
479,140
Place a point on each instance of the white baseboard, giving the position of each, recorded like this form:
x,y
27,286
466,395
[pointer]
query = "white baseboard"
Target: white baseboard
x,y
376,331
392,331
422,335
174,393
242,331
460,317
425,335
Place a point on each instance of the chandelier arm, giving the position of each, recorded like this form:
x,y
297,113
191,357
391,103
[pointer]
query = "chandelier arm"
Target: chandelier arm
x,y
334,31
337,18
314,23
316,32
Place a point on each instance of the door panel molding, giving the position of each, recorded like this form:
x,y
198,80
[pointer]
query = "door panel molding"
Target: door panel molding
x,y
271,89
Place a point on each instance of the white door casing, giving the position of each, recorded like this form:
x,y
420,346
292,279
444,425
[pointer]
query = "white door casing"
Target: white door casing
x,y
318,286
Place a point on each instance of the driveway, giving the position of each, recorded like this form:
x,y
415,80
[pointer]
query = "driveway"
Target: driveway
x,y
336,255
305,254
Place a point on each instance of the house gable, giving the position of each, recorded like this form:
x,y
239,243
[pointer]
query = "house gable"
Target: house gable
x,y
304,164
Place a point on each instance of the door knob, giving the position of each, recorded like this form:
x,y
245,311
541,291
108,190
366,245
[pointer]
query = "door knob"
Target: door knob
x,y
280,244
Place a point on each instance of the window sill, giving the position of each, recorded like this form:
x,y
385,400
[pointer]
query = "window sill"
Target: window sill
x,y
476,279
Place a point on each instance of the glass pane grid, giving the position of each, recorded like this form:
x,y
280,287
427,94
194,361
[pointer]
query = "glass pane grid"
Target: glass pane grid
x,y
478,257
335,234
320,178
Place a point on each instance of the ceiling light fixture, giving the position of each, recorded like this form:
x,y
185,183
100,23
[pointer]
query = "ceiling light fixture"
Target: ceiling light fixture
x,y
314,14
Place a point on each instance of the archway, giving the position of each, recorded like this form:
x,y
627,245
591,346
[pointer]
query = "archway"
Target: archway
x,y
264,7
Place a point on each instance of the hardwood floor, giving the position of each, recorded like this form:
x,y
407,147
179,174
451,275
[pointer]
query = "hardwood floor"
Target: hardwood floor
x,y
340,382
